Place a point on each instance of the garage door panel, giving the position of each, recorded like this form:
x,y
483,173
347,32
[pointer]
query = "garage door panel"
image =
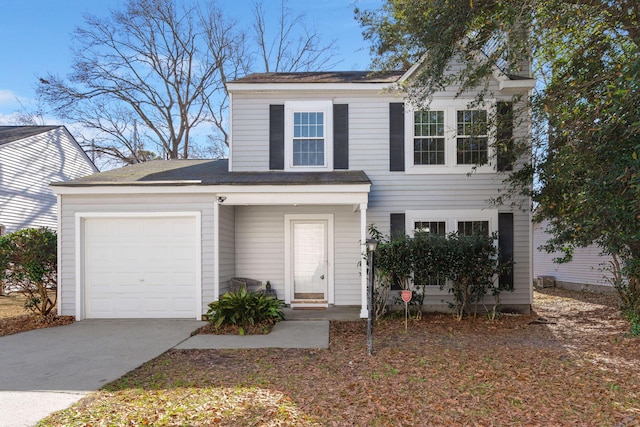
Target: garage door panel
x,y
141,267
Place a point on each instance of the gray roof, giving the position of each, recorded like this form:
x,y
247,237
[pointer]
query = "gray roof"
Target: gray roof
x,y
210,172
324,77
14,133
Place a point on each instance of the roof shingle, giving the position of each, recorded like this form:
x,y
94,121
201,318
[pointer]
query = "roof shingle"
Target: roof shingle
x,y
14,133
324,77
210,172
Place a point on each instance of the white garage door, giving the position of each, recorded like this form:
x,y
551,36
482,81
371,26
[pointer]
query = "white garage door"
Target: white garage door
x,y
140,267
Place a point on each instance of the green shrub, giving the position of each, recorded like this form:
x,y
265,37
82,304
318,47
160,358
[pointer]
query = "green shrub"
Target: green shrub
x,y
242,308
624,278
28,262
468,266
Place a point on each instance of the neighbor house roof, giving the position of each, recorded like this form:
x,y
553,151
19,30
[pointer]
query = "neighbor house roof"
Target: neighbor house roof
x,y
324,77
210,172
15,133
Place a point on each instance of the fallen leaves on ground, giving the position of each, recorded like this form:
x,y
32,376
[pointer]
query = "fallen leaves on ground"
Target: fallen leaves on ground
x,y
568,363
28,322
15,318
263,328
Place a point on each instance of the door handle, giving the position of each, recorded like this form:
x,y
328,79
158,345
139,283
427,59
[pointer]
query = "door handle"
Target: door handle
x,y
322,277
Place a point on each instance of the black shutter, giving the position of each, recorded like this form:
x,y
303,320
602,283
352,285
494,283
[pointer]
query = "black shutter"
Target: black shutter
x,y
505,243
396,136
505,136
397,229
397,225
341,136
276,137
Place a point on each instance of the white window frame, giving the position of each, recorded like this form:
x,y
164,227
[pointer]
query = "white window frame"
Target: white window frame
x,y
325,107
450,108
451,218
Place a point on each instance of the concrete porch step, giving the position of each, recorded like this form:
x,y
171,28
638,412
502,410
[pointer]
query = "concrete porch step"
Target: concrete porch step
x,y
309,304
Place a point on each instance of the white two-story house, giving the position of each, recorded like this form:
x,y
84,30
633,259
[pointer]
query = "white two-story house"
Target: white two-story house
x,y
314,159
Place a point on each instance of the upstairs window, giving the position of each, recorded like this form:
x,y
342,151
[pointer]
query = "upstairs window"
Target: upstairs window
x,y
308,139
308,135
428,143
447,138
472,142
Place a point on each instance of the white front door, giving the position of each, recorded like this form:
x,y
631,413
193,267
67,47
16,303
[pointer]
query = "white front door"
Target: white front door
x,y
310,259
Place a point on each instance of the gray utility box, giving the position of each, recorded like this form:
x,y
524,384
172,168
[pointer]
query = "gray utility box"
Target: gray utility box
x,y
546,282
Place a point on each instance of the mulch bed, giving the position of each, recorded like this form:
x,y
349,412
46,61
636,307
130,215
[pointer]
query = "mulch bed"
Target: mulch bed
x,y
27,322
257,329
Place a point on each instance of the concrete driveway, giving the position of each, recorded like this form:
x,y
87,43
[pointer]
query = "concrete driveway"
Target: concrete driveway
x,y
46,370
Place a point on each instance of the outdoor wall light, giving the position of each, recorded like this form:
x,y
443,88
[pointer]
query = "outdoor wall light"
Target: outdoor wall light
x,y
372,244
221,199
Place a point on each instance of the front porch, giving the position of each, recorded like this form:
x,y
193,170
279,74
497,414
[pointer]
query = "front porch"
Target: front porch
x,y
303,234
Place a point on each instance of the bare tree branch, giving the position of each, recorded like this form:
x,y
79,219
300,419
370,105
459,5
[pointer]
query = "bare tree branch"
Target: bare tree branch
x,y
152,65
293,47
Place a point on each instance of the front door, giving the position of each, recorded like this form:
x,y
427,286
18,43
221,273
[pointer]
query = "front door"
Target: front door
x,y
310,259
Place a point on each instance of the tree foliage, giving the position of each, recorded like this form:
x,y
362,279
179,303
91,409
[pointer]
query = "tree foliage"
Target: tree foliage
x,y
28,263
586,110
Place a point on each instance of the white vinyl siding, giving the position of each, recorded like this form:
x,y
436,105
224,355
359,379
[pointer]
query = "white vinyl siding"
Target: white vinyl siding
x,y
391,192
260,247
588,266
227,250
135,203
27,167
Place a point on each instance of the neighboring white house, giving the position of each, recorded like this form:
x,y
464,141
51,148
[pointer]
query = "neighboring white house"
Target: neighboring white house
x,y
31,157
315,158
588,269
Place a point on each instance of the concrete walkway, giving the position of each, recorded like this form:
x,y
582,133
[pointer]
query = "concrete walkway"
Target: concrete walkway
x,y
287,334
46,370
302,329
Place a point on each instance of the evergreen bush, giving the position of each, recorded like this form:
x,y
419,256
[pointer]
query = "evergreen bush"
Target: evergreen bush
x,y
243,308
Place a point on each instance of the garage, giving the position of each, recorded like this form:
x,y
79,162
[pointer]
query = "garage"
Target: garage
x,y
144,266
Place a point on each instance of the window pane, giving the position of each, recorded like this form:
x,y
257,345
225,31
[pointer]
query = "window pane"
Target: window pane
x,y
308,152
432,227
429,123
472,122
308,143
470,228
472,151
472,143
430,150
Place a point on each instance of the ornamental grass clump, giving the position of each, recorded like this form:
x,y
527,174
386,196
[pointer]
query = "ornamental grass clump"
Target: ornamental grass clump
x,y
243,309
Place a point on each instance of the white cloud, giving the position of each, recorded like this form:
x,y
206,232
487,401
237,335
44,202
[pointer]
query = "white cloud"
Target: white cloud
x,y
6,96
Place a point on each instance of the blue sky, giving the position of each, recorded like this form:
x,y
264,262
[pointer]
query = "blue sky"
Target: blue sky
x,y
35,36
